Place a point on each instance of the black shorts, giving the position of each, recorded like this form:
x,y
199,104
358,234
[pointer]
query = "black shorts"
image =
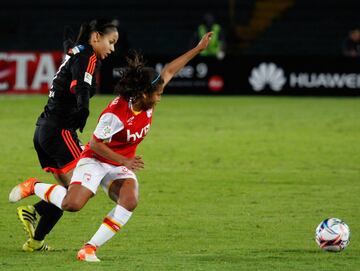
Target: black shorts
x,y
58,149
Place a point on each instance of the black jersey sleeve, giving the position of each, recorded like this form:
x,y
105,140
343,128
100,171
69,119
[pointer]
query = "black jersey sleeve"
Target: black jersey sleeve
x,y
83,78
83,81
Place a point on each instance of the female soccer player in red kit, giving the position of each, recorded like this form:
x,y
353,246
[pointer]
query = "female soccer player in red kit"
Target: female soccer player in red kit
x,y
109,159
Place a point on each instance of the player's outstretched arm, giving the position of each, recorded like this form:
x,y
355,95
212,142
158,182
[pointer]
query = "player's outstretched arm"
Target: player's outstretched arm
x,y
177,64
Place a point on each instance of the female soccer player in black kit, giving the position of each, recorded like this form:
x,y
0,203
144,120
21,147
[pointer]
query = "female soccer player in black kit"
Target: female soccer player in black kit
x,y
67,109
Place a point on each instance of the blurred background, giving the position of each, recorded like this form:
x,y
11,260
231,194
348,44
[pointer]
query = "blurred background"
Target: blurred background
x,y
283,47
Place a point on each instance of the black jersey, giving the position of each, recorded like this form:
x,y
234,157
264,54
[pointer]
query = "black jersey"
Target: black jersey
x,y
72,87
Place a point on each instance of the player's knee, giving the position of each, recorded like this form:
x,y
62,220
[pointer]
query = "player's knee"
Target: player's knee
x,y
71,206
129,202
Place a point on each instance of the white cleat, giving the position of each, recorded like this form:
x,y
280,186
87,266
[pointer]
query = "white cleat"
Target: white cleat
x,y
15,194
23,190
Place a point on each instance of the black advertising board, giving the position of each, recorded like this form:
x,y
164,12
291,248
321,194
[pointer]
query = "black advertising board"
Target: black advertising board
x,y
248,75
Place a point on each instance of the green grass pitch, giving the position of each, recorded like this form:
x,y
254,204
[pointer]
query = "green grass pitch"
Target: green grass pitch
x,y
231,183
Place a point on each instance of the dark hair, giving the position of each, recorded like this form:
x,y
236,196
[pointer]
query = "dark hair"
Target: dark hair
x,y
101,25
137,79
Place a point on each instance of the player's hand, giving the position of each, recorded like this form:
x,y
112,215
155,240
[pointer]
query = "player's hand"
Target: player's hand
x,y
134,164
78,119
204,42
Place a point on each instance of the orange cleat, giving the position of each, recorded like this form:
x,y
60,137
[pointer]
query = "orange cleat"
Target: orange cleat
x,y
23,190
87,254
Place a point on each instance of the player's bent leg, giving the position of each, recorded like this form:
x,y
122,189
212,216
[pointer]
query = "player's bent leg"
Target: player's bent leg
x,y
125,193
76,198
28,215
49,214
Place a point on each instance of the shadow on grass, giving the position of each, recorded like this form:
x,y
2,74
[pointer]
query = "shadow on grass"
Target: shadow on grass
x,y
16,251
286,251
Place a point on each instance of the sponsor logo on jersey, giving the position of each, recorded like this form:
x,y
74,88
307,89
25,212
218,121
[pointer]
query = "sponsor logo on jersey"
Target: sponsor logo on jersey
x,y
88,78
267,74
136,135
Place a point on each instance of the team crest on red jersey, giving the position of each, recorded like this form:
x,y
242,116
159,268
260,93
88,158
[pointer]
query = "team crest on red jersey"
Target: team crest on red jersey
x,y
149,113
107,130
129,121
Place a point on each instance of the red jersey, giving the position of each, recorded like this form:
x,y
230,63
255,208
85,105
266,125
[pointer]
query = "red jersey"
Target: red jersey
x,y
121,129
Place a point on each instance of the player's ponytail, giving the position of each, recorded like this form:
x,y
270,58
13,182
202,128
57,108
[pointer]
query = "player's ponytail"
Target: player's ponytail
x,y
101,25
68,38
84,34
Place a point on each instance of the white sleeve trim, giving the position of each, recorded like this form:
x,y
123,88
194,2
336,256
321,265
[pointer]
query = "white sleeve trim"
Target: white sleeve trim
x,y
109,124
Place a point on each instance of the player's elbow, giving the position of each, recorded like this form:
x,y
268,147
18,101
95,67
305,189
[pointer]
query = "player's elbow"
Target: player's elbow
x,y
167,74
